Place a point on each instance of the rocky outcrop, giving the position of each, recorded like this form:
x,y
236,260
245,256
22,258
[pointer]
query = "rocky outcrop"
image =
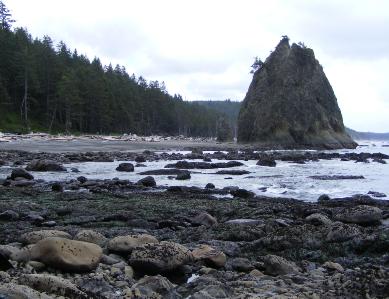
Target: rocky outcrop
x,y
290,103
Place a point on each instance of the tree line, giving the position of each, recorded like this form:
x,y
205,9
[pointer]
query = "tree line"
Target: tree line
x,y
51,88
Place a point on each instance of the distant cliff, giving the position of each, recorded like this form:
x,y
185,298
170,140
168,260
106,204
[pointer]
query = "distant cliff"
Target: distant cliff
x,y
367,135
290,103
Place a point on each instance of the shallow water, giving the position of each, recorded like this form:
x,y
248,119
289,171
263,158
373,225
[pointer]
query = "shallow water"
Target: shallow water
x,y
285,180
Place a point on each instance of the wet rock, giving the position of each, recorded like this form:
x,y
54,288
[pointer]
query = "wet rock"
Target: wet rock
x,y
36,236
233,172
266,160
4,262
276,265
21,173
333,266
7,251
242,193
96,287
159,257
57,187
140,159
9,215
212,292
169,171
318,219
91,236
44,165
210,256
185,175
381,161
209,186
153,287
336,177
148,181
203,165
15,291
125,244
52,284
340,232
125,167
362,214
82,179
376,194
64,254
204,219
241,264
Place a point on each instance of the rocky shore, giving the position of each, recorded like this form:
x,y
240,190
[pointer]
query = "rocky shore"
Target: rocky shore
x,y
121,239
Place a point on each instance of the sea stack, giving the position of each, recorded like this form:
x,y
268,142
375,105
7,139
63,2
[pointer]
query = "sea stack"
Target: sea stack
x,y
290,104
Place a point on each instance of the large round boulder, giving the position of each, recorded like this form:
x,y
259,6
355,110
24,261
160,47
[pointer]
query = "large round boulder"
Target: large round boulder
x,y
148,181
125,244
209,256
68,255
91,236
361,214
125,167
45,165
277,265
36,236
160,257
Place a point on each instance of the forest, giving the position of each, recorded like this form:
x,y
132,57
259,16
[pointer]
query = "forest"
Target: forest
x,y
49,87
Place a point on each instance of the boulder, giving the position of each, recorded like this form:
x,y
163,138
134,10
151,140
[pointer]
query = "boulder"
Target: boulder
x,y
210,256
125,244
204,219
233,172
333,266
9,215
276,265
164,171
153,287
8,250
44,165
16,291
203,165
52,284
267,160
67,255
159,257
209,186
57,187
242,193
91,236
148,181
318,219
291,104
339,232
21,173
140,159
125,167
184,175
36,236
362,214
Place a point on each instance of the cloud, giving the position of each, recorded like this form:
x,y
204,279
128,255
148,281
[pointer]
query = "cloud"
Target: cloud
x,y
203,49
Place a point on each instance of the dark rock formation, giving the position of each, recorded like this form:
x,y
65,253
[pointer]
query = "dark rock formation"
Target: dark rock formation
x,y
291,104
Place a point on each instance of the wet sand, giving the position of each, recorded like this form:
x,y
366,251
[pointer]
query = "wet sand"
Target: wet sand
x,y
79,145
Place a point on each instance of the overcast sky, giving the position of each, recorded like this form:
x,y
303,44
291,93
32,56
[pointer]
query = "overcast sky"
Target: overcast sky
x,y
203,49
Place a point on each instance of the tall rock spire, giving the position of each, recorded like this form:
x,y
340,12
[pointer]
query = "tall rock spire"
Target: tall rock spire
x,y
291,104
